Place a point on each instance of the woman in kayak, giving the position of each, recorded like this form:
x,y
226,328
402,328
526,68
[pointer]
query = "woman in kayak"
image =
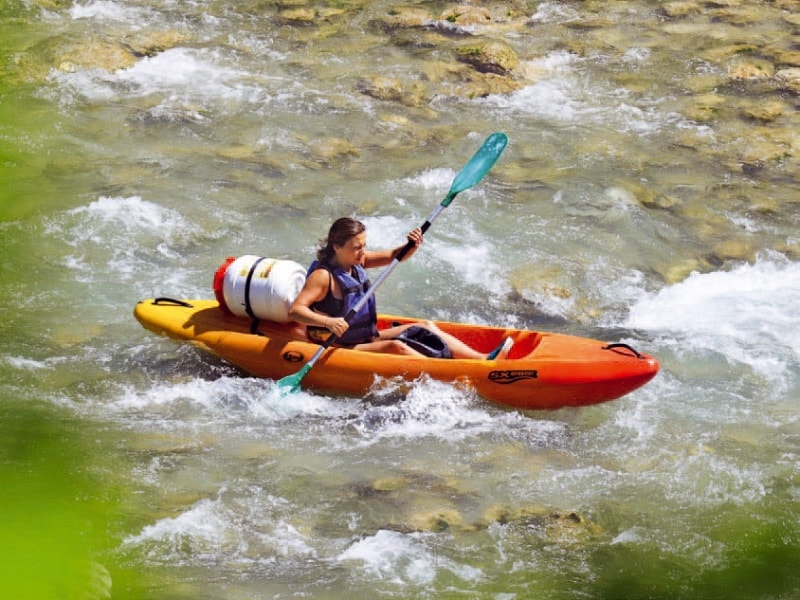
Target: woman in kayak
x,y
337,280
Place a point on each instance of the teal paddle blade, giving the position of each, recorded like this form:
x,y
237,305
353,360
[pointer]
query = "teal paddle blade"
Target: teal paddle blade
x,y
291,383
479,165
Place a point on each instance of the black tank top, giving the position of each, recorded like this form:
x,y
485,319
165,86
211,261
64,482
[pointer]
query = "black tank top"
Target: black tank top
x,y
330,304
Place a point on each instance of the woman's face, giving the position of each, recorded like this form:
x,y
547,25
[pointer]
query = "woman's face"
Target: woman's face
x,y
353,251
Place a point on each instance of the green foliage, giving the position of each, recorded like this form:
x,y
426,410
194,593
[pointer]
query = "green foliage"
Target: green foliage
x,y
760,561
55,506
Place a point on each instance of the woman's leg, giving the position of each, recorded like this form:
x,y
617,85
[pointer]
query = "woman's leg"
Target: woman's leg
x,y
457,348
388,347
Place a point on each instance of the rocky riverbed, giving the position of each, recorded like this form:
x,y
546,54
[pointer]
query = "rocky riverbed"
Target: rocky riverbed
x,y
732,71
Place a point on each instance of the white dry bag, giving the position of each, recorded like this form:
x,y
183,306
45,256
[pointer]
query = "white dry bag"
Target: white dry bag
x,y
258,287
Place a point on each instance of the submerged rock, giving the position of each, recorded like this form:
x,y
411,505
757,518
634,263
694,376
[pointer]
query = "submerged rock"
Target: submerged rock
x,y
403,17
437,520
332,151
705,108
298,16
489,57
150,43
466,15
737,250
554,525
96,54
676,271
392,89
112,55
789,79
766,111
679,9
750,69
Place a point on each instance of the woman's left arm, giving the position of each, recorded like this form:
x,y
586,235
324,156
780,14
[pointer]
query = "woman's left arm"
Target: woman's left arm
x,y
381,258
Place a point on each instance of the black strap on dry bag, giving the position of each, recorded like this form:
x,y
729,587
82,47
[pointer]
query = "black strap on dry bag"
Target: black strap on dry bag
x,y
247,305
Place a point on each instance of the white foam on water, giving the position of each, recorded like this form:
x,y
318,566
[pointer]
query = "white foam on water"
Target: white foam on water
x,y
126,239
30,364
200,530
403,559
748,313
438,179
549,99
435,409
257,45
431,408
554,12
729,346
715,479
472,261
386,231
561,92
181,76
106,10
184,69
202,394
182,399
476,262
275,403
694,546
131,214
247,526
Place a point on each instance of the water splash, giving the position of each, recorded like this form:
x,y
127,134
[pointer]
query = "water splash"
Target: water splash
x,y
747,313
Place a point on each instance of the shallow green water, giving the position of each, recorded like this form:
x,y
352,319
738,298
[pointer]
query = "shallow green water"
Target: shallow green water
x,y
634,159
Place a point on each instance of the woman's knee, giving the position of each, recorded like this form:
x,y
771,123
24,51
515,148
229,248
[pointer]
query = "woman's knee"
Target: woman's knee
x,y
429,325
389,347
398,347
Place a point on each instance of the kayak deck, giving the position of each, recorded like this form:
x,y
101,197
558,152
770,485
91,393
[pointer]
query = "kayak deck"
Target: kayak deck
x,y
542,371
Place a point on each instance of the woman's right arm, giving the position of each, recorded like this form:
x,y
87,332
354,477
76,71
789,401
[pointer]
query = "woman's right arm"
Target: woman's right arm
x,y
314,290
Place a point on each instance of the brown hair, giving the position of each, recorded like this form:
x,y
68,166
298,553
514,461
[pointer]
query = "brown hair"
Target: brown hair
x,y
342,230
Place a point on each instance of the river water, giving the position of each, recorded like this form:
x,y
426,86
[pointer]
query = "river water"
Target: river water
x,y
648,194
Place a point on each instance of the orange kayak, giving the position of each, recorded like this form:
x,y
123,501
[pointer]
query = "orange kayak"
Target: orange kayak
x,y
542,371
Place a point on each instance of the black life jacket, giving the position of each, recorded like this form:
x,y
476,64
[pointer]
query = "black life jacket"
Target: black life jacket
x,y
364,324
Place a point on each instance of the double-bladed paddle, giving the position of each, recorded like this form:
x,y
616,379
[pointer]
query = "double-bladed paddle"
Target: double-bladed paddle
x,y
477,167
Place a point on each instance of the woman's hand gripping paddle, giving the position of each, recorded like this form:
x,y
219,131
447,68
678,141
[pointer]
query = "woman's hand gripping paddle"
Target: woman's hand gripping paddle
x,y
475,170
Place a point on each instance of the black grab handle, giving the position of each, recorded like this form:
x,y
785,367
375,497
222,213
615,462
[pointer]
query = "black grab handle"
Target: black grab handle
x,y
172,301
625,346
